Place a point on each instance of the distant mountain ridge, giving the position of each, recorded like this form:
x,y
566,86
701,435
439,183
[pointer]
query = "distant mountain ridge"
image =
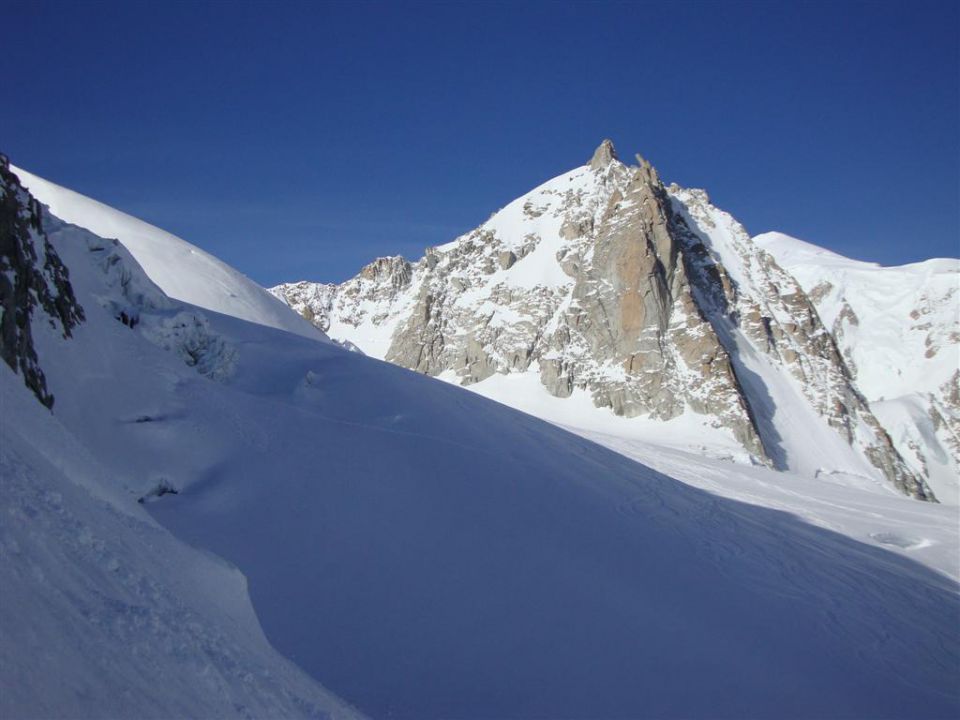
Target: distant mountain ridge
x,y
645,297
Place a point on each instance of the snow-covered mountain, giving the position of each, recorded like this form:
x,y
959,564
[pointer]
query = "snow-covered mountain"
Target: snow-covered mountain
x,y
219,518
183,271
899,331
604,286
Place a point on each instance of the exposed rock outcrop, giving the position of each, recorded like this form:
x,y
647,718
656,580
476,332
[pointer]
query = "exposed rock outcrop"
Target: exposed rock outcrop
x,y
34,284
771,309
603,156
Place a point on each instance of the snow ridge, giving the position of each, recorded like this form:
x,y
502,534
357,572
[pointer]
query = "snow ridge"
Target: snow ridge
x,y
181,270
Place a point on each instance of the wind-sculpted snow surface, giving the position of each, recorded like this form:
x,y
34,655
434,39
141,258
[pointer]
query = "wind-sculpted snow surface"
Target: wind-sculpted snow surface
x,y
105,614
417,549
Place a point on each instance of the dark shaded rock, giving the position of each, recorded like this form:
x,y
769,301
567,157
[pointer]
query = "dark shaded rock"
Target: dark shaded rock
x,y
34,283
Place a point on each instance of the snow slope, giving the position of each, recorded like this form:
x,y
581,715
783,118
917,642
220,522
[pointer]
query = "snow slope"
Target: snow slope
x,y
899,331
182,271
858,506
904,338
416,549
782,401
103,613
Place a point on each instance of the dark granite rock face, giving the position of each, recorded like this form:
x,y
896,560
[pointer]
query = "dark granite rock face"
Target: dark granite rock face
x,y
34,283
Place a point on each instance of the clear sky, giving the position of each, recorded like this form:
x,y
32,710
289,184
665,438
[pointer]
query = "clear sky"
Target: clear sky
x,y
299,141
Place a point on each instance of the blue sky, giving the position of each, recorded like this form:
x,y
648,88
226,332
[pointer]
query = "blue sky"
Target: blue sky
x,y
300,140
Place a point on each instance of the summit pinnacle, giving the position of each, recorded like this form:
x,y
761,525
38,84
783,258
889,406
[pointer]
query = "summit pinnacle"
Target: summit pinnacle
x,y
603,155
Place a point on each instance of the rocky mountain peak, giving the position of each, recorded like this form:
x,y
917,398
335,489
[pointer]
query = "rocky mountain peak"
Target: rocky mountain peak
x,y
647,301
647,173
394,270
603,155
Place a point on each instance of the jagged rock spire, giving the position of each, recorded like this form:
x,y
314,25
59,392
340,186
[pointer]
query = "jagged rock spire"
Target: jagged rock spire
x,y
646,172
603,156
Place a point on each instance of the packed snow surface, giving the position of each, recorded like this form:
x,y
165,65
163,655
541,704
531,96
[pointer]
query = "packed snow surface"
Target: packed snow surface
x,y
857,505
182,271
426,553
104,613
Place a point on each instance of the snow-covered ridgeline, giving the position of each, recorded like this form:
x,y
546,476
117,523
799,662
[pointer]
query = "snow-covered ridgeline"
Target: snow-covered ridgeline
x,y
183,271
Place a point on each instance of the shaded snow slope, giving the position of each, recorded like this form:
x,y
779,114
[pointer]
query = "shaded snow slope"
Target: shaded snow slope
x,y
182,270
473,562
104,612
858,506
419,550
